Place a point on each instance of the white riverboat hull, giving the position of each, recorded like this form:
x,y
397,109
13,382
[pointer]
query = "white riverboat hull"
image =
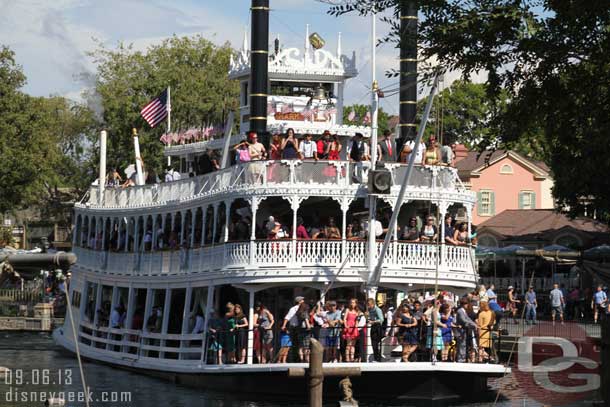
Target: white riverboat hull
x,y
383,381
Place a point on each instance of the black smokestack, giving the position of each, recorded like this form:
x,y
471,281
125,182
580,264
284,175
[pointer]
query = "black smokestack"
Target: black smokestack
x,y
408,68
259,55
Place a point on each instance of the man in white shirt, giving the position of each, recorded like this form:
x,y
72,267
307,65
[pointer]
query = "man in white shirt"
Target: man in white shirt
x,y
309,148
292,321
168,174
408,148
176,175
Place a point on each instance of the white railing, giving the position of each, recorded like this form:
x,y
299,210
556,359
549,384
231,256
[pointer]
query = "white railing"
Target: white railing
x,y
285,253
257,174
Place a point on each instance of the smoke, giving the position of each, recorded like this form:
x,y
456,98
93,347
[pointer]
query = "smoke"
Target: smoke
x,y
74,61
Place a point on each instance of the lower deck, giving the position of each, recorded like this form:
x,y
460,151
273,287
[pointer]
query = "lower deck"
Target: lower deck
x,y
413,380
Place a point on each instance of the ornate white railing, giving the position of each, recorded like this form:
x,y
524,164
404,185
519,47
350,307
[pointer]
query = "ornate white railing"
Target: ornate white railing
x,y
260,174
286,254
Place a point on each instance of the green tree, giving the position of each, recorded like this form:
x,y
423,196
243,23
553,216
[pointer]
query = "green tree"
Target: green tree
x,y
360,111
201,94
41,142
552,59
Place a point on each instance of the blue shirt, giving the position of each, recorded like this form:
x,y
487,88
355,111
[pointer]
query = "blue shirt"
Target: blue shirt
x,y
600,297
491,295
530,296
556,297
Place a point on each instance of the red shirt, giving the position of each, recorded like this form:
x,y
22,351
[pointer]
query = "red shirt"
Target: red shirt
x,y
302,232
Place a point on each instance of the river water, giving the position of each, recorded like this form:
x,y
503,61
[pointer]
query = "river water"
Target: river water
x,y
39,368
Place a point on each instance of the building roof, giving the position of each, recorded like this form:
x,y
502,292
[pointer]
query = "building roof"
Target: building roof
x,y
528,223
476,161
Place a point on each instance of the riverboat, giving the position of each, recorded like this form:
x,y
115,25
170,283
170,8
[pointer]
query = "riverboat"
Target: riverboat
x,y
170,251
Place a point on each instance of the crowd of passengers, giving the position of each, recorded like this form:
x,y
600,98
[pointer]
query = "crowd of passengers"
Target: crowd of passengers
x,y
417,230
441,327
288,146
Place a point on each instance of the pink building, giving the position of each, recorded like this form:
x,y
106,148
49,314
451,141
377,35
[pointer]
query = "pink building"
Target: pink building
x,y
505,180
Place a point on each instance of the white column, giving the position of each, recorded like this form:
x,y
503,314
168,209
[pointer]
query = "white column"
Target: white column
x,y
295,203
193,222
97,232
166,311
98,303
126,248
136,235
147,310
90,232
139,169
204,218
130,311
186,315
442,206
208,308
250,326
104,231
253,207
469,219
113,305
214,222
102,179
227,220
344,209
182,223
340,87
154,233
75,231
147,307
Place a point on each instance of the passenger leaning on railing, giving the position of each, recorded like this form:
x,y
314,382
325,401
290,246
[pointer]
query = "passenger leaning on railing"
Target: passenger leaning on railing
x,y
485,322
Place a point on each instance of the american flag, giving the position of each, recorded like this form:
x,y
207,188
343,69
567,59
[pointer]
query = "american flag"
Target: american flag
x,y
156,110
367,118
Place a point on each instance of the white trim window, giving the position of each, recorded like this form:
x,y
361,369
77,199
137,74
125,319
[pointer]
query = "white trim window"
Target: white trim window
x,y
486,203
506,169
527,200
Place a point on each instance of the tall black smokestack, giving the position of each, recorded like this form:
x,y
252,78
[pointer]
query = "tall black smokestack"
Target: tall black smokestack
x,y
259,57
408,69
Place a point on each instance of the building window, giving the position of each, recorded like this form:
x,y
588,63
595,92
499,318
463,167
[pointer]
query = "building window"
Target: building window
x,y
527,200
506,169
486,203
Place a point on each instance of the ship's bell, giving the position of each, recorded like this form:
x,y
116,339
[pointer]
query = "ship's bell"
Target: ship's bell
x,y
316,41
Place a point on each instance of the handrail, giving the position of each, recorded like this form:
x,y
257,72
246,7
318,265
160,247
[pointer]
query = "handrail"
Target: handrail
x,y
280,253
278,172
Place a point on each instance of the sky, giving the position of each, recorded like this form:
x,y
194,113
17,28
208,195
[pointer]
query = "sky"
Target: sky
x,y
51,38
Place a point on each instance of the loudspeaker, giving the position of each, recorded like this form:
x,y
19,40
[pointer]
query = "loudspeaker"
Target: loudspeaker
x,y
380,181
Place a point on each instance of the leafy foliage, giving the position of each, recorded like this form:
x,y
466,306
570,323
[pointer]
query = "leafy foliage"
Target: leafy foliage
x,y
201,94
550,57
42,144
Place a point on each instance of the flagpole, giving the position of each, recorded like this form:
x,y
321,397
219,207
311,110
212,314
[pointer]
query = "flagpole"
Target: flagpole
x,y
169,121
371,291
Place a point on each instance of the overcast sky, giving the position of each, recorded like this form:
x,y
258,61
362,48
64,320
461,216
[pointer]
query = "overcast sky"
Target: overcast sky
x,y
51,37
